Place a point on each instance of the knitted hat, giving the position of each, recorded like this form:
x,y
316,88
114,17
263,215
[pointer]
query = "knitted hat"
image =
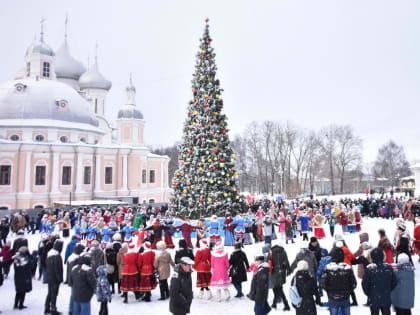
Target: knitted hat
x,y
302,265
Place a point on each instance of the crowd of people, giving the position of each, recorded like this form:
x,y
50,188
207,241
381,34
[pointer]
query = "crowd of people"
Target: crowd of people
x,y
128,249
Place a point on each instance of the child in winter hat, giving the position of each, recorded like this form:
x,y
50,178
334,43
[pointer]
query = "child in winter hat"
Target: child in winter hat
x,y
103,291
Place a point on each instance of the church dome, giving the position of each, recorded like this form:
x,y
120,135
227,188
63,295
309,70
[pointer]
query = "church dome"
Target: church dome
x,y
40,48
93,79
129,111
29,100
66,66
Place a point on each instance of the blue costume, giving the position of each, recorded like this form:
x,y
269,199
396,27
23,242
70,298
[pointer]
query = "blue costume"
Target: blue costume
x,y
128,230
91,231
214,232
304,223
78,231
107,235
239,229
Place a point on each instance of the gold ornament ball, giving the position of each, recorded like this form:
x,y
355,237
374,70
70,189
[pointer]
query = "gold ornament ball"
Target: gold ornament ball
x,y
228,183
209,199
222,164
225,194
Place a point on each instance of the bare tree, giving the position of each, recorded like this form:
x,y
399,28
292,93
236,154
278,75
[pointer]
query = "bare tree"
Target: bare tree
x,y
391,163
349,152
328,142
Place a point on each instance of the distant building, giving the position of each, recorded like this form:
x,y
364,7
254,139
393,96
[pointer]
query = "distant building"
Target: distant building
x,y
55,138
416,170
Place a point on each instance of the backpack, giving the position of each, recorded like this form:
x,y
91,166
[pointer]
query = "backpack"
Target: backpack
x,y
294,295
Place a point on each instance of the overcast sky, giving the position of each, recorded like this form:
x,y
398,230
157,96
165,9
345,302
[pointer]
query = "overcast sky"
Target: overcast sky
x,y
309,62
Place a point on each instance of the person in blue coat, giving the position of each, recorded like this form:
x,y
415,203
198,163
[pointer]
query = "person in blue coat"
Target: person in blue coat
x,y
325,260
70,248
402,297
239,223
304,220
378,282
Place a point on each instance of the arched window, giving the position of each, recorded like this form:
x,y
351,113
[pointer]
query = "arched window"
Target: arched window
x,y
39,138
39,207
64,139
14,138
151,200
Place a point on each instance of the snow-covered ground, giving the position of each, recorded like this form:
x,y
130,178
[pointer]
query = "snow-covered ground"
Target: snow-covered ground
x,y
35,299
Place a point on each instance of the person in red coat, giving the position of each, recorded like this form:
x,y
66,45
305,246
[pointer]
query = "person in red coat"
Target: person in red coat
x,y
186,229
147,277
416,242
130,274
201,231
202,264
386,246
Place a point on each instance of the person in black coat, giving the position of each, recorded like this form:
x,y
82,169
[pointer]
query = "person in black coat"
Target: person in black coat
x,y
239,265
281,269
183,251
180,290
18,243
259,287
315,248
83,282
339,281
4,231
54,276
72,261
378,282
307,288
23,264
111,260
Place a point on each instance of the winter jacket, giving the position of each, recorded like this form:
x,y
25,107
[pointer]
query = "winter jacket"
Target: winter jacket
x,y
202,260
18,243
120,261
219,265
54,267
145,262
259,284
364,237
111,259
72,260
4,230
97,259
130,261
402,296
307,288
180,291
379,280
304,223
322,264
316,250
348,256
69,249
308,256
103,291
23,264
82,280
183,252
238,263
338,280
280,265
388,249
163,263
6,253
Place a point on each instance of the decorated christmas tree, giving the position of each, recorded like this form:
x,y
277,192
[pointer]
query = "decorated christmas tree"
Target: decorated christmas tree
x,y
206,182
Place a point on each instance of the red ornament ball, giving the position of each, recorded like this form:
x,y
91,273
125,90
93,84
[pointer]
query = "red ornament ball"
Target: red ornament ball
x,y
195,91
207,20
223,131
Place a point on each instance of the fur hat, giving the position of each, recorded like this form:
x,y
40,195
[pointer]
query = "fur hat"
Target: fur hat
x,y
131,246
161,245
147,245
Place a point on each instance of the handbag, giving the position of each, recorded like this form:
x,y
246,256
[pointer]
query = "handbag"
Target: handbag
x,y
294,295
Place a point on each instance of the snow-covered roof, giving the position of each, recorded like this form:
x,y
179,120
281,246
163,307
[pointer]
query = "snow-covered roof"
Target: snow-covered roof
x,y
32,99
93,79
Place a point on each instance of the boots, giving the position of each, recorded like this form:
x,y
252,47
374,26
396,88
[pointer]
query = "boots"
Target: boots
x,y
162,293
16,301
125,295
227,294
218,294
286,306
200,294
209,296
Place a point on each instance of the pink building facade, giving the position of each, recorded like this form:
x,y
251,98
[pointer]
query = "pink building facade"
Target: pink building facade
x,y
55,139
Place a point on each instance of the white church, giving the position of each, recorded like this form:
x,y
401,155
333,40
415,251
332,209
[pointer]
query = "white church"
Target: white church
x,y
55,138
